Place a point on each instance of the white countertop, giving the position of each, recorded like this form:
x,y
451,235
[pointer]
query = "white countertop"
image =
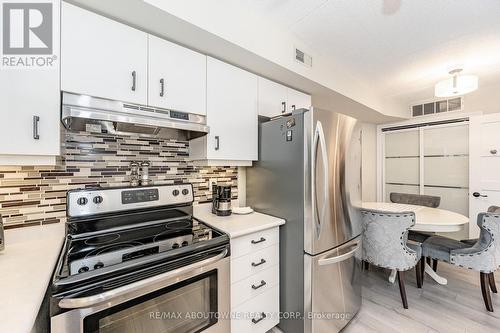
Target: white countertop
x,y
26,267
236,225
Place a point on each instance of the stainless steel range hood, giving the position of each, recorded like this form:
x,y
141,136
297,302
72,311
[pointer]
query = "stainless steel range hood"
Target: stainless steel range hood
x,y
99,115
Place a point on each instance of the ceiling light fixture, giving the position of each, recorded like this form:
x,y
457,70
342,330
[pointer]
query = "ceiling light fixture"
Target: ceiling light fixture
x,y
456,85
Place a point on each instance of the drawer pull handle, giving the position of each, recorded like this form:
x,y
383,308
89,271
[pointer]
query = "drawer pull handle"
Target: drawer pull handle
x,y
262,316
493,151
262,261
262,239
262,284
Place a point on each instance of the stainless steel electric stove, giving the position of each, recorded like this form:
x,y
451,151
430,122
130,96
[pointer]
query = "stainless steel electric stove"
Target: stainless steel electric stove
x,y
133,254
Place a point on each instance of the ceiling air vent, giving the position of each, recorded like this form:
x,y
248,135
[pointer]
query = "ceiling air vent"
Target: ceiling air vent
x,y
303,57
445,105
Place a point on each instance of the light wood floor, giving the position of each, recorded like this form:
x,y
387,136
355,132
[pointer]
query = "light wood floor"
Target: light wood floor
x,y
457,307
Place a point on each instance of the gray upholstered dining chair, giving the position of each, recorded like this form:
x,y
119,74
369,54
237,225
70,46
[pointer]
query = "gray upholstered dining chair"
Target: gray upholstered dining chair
x,y
385,244
420,200
483,256
491,209
415,199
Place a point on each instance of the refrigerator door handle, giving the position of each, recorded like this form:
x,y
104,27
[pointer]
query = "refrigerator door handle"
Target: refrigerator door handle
x,y
327,260
319,138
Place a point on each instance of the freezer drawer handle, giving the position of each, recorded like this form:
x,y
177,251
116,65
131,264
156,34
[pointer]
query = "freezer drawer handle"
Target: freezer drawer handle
x,y
262,316
333,260
262,284
262,239
262,261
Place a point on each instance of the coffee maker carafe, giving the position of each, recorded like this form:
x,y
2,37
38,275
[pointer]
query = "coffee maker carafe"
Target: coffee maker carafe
x,y
221,201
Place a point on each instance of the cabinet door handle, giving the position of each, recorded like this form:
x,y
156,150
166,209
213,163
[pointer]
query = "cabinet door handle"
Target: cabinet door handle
x,y
134,79
477,195
293,107
262,316
493,151
262,284
36,119
284,107
162,87
216,142
262,239
261,262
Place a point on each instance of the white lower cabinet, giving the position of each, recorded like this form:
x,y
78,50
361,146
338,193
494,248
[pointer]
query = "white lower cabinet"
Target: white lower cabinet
x,y
255,282
259,314
254,285
254,263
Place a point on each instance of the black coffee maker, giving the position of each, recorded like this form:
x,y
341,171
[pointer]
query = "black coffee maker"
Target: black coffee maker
x,y
221,200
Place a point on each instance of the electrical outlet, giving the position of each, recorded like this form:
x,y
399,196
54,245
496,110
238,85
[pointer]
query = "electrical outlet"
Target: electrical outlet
x,y
211,182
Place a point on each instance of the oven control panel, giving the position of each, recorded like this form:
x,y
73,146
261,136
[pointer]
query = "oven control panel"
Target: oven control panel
x,y
89,202
135,196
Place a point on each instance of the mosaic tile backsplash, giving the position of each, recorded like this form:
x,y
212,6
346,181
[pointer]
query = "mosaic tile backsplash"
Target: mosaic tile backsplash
x,y
33,195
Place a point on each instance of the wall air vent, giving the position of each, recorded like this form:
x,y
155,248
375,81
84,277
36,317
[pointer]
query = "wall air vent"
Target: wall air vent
x,y
303,58
435,107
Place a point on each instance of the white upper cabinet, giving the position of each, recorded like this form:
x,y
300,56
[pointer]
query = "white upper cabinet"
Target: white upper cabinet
x,y
297,100
231,115
276,99
102,58
231,112
177,77
272,98
30,110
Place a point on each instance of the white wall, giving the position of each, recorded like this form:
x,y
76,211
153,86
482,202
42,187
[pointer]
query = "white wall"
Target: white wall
x,y
485,99
369,164
242,186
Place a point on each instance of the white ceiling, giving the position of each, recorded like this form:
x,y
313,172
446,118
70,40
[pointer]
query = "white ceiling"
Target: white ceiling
x,y
400,47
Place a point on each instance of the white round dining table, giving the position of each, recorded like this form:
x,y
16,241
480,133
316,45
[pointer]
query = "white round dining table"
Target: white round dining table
x,y
427,219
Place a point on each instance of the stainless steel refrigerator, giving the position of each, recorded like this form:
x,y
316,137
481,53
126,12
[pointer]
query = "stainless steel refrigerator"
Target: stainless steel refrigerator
x,y
309,173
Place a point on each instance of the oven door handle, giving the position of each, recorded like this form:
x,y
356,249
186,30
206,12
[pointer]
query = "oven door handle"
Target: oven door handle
x,y
84,302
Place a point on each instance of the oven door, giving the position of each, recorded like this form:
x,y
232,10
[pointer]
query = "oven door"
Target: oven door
x,y
193,298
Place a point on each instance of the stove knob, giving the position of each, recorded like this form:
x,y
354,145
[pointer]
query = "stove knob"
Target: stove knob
x,y
82,201
175,193
175,246
185,191
185,243
97,200
83,269
98,265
